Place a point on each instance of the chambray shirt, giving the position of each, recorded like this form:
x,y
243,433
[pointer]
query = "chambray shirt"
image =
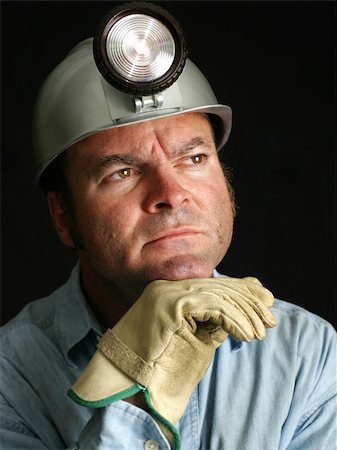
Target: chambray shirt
x,y
275,394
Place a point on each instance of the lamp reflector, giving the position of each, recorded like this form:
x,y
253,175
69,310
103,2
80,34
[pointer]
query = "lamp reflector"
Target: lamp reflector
x,y
140,48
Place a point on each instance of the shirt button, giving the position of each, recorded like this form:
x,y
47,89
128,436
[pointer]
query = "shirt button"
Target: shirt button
x,y
151,444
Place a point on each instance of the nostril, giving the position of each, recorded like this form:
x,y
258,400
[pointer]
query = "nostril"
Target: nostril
x,y
160,205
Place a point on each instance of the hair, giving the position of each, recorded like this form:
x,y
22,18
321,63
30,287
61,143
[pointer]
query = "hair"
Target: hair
x,y
55,179
217,128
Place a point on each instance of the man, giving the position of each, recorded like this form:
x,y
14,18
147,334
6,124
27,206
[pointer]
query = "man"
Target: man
x,y
135,184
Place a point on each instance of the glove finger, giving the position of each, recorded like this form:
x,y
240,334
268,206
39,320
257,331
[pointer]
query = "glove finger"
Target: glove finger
x,y
247,286
255,311
258,297
259,307
249,302
230,318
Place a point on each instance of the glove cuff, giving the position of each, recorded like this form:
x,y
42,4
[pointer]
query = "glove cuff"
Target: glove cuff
x,y
125,358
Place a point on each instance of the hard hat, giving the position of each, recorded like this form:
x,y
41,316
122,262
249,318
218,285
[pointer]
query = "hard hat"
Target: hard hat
x,y
87,92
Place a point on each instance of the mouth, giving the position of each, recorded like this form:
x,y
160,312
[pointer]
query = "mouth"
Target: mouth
x,y
175,233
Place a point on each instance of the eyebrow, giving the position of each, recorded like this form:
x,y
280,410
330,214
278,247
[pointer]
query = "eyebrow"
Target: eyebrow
x,y
108,160
190,145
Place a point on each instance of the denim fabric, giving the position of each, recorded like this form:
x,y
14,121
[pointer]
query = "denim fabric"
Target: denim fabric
x,y
275,394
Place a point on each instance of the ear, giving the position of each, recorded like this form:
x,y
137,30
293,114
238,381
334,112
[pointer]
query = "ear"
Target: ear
x,y
58,216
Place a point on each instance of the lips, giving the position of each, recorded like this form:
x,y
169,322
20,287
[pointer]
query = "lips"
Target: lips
x,y
175,233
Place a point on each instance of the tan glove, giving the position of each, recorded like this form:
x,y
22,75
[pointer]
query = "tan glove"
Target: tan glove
x,y
166,341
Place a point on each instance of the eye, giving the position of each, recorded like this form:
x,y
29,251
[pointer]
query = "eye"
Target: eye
x,y
197,159
126,172
122,174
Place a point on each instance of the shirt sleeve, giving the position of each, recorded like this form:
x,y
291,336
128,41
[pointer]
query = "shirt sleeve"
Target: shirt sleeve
x,y
15,435
316,389
14,432
116,427
318,426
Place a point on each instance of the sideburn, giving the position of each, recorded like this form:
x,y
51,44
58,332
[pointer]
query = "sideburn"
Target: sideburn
x,y
67,204
229,178
67,201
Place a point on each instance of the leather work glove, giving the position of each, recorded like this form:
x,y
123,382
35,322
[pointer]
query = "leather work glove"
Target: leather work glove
x,y
165,342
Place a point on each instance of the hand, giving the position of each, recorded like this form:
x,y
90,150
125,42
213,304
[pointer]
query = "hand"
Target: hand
x,y
167,339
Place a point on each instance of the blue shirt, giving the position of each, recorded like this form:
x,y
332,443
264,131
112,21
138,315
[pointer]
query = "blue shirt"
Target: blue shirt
x,y
275,394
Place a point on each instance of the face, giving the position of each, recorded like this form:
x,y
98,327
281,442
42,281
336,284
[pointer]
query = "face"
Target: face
x,y
151,202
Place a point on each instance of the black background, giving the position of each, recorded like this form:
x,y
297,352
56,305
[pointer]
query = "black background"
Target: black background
x,y
273,63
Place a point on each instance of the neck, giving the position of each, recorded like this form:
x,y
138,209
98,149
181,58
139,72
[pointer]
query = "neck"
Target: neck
x,y
109,302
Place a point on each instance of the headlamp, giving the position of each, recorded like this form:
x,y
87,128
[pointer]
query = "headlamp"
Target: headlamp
x,y
136,72
140,49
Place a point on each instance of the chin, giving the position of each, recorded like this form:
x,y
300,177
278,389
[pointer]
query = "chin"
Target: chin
x,y
182,267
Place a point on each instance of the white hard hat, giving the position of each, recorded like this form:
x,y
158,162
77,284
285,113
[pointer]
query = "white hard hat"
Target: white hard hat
x,y
80,97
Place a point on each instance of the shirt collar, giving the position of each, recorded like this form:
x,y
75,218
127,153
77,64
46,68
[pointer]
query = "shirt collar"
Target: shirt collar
x,y
74,318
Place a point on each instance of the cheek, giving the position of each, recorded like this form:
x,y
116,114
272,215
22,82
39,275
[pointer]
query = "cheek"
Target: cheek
x,y
216,198
102,221
220,211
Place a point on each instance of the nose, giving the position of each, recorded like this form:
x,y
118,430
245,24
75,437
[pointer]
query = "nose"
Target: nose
x,y
164,191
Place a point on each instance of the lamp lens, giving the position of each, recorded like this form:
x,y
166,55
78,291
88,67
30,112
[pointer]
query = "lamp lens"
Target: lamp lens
x,y
140,48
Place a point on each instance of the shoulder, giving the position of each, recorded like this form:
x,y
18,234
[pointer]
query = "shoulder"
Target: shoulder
x,y
305,345
32,328
48,312
302,326
49,326
39,313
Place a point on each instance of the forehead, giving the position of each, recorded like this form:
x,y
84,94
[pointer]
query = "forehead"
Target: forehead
x,y
175,128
